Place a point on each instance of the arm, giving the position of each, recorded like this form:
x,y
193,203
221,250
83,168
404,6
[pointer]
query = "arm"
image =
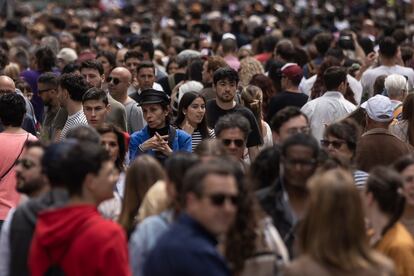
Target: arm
x,y
5,244
253,152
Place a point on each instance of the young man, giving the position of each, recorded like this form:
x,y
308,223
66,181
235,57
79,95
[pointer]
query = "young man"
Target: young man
x,y
287,122
225,82
210,195
75,239
145,79
96,106
209,67
93,72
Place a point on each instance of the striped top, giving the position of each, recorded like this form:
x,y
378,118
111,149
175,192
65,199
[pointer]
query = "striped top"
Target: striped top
x,y
74,120
197,138
360,178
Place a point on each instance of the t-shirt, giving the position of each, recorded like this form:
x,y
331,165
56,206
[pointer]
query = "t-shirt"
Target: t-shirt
x,y
135,117
214,112
283,100
74,120
196,138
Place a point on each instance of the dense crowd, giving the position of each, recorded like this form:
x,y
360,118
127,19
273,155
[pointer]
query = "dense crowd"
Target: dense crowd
x,y
207,138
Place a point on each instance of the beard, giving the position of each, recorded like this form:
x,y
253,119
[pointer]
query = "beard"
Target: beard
x,y
31,186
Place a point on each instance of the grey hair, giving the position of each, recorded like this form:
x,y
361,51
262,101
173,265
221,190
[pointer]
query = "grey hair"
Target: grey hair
x,y
396,85
233,120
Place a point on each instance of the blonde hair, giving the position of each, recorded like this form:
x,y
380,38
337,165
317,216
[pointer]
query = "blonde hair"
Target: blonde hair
x,y
12,70
252,98
249,67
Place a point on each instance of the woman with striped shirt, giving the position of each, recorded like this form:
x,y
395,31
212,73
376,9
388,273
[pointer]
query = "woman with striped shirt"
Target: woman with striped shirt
x,y
192,118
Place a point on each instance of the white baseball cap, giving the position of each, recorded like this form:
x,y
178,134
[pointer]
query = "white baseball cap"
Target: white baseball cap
x,y
379,108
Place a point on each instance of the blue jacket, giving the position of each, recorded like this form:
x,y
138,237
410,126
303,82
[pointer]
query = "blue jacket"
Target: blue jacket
x,y
186,249
182,142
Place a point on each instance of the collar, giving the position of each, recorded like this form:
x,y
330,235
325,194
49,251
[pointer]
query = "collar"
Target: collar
x,y
377,131
333,94
186,220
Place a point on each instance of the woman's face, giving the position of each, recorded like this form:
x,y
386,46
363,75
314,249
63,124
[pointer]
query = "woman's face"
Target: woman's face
x,y
337,148
195,111
105,64
110,142
172,68
155,115
408,188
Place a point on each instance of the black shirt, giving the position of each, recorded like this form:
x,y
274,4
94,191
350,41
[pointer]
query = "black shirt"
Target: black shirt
x,y
165,82
214,112
283,100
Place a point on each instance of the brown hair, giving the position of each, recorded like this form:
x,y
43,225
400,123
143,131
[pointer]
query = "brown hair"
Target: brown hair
x,y
252,98
215,62
333,229
140,176
408,116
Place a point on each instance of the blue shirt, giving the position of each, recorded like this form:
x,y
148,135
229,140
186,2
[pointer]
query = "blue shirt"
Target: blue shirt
x,y
186,249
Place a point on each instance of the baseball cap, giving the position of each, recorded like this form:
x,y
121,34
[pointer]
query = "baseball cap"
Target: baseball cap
x,y
152,96
228,36
379,108
292,71
67,54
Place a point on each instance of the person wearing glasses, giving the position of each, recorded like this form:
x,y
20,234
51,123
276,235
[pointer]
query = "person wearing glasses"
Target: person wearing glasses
x,y
287,122
118,82
47,85
210,197
340,142
285,200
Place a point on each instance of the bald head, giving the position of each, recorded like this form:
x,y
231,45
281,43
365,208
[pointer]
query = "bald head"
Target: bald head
x,y
122,72
7,84
121,79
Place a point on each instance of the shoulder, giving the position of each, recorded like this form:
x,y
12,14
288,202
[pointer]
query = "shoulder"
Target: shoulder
x,y
138,135
304,265
181,134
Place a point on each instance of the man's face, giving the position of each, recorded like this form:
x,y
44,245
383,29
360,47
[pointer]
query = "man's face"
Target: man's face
x,y
29,171
102,186
132,64
216,209
207,78
95,112
299,164
47,92
146,78
92,77
103,43
292,126
225,90
234,141
118,83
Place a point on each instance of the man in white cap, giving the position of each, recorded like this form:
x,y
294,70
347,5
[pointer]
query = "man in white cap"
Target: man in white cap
x,y
377,145
65,56
229,48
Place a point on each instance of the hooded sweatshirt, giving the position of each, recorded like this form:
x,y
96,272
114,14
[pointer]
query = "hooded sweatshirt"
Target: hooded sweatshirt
x,y
79,241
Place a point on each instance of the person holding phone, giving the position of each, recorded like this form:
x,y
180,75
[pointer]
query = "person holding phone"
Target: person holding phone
x,y
158,138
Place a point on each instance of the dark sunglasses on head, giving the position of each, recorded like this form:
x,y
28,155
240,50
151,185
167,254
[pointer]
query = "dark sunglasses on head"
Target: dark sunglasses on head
x,y
116,81
238,142
27,164
336,143
219,199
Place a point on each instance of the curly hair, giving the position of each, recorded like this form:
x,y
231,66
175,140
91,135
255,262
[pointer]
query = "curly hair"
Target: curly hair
x,y
75,84
249,67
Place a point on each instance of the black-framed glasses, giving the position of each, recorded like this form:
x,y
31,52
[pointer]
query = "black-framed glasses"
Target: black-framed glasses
x,y
238,142
336,144
115,81
218,199
26,163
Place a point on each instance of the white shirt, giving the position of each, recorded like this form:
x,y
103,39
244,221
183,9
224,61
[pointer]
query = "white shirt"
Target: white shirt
x,y
369,76
306,85
155,85
322,111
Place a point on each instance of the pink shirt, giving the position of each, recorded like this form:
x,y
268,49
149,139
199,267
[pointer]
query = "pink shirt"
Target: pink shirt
x,y
10,146
233,62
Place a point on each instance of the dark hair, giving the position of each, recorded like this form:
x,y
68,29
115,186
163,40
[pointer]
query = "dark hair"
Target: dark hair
x,y
333,77
265,83
109,56
97,94
385,184
45,59
229,45
145,64
268,43
408,116
284,115
404,162
170,61
388,47
233,120
12,109
83,158
49,78
301,139
4,59
83,133
185,102
318,87
285,50
133,54
92,64
194,69
346,130
265,168
225,73
110,128
71,67
75,84
379,84
323,42
146,46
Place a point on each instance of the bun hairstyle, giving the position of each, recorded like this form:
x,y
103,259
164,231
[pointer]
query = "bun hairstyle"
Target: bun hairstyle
x,y
252,98
385,185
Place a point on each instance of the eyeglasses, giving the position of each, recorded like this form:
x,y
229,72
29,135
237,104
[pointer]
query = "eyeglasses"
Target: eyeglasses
x,y
336,144
238,142
219,199
115,81
296,130
302,162
44,90
27,164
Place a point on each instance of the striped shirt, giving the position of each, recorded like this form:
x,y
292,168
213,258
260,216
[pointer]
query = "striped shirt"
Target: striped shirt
x,y
360,178
74,120
196,137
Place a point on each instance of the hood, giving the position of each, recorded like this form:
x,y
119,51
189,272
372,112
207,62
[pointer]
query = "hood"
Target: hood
x,y
56,229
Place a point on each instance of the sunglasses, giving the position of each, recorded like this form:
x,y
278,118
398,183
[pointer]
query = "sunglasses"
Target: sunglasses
x,y
115,81
336,144
219,199
238,142
27,164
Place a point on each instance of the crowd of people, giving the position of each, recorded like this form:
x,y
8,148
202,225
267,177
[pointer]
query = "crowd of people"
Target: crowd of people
x,y
207,138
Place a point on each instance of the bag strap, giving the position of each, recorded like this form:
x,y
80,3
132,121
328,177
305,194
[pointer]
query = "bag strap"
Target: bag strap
x,y
14,162
171,136
171,81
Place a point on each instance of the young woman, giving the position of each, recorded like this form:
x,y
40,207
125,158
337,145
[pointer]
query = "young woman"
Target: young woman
x,y
192,118
332,237
404,129
405,167
158,138
384,205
